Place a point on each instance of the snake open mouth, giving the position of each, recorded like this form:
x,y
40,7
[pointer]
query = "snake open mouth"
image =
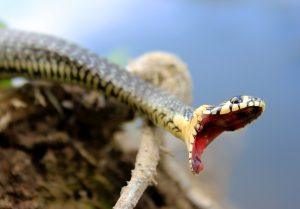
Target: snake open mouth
x,y
225,117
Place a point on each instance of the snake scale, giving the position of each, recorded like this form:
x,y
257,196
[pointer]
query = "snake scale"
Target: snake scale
x,y
38,56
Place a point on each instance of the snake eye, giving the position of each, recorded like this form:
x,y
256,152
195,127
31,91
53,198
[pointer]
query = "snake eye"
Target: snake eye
x,y
236,100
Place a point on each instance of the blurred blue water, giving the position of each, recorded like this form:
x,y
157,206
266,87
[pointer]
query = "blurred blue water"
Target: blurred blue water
x,y
235,47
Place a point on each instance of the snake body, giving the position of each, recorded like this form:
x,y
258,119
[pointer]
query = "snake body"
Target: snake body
x,y
45,57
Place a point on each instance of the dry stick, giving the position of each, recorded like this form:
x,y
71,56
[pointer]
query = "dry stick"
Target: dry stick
x,y
145,168
152,67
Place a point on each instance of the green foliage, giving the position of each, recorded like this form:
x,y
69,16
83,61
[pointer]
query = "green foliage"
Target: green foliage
x,y
119,56
2,25
5,83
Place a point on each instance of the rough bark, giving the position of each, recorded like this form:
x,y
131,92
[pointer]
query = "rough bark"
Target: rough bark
x,y
57,150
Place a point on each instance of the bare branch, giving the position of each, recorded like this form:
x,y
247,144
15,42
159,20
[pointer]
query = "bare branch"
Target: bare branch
x,y
145,168
166,71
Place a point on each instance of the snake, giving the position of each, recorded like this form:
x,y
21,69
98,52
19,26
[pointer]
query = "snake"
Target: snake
x,y
45,57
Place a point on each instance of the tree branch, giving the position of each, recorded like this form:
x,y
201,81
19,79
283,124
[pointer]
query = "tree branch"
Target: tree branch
x,y
145,168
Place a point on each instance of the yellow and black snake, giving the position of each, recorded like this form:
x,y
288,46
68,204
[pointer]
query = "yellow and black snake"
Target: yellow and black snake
x,y
38,56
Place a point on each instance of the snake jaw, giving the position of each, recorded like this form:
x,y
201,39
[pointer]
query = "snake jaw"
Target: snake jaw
x,y
209,122
195,163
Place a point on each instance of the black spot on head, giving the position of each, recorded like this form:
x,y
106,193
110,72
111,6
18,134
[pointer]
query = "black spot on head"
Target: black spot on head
x,y
236,100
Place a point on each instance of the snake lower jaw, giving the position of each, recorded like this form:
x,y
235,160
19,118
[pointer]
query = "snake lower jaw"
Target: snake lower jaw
x,y
195,149
205,134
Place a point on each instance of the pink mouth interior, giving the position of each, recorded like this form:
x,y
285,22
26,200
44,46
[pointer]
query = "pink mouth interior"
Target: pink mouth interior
x,y
213,125
203,138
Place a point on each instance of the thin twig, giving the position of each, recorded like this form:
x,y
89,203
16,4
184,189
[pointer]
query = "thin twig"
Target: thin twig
x,y
166,71
145,169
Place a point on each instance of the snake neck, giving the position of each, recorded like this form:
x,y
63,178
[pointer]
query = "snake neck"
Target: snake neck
x,y
190,127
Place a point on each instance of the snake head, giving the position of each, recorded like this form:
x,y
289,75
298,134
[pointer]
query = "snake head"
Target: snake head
x,y
210,121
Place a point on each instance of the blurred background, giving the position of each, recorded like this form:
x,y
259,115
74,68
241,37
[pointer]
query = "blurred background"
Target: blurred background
x,y
231,47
